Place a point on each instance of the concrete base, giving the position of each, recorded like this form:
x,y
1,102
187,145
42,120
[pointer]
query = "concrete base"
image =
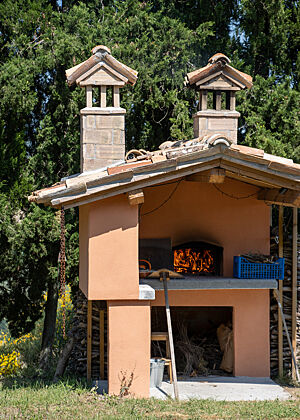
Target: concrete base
x,y
218,388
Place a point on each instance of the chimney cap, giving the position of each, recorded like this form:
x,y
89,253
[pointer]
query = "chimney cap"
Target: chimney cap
x,y
101,49
218,63
101,57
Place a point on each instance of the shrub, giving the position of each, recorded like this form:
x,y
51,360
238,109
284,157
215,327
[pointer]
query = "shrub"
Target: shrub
x,y
20,356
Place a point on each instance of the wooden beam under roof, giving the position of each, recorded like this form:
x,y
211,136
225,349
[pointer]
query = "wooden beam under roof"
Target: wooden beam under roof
x,y
258,173
213,176
136,197
248,180
282,196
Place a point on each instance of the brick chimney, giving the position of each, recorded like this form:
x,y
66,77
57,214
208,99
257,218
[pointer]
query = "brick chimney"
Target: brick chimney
x,y
217,84
102,124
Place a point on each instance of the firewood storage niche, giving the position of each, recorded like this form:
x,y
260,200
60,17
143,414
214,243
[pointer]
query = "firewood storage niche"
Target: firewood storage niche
x,y
198,350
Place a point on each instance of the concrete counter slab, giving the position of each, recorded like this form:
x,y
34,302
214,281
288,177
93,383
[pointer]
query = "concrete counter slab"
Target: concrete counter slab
x,y
211,283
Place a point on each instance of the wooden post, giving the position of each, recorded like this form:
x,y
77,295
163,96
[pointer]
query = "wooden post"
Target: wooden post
x,y
175,385
89,341
89,96
232,100
218,100
116,96
203,100
280,332
294,287
101,334
102,95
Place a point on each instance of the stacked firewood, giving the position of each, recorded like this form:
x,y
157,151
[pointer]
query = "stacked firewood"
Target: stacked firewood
x,y
78,359
259,258
287,307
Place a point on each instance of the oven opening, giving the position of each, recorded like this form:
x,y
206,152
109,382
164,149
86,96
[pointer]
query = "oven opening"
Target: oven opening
x,y
198,259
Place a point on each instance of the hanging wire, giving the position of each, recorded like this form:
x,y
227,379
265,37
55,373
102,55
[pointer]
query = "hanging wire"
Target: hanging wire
x,y
233,196
63,267
165,201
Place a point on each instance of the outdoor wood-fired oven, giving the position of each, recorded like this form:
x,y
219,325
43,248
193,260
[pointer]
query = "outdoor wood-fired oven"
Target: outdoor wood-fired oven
x,y
204,188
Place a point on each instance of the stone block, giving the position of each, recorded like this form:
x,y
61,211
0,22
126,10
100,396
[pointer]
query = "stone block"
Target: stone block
x,y
221,124
82,122
90,136
200,123
97,136
105,136
110,152
88,150
110,121
90,121
92,164
118,137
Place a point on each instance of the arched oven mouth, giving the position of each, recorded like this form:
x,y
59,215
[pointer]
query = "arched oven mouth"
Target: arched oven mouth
x,y
195,258
198,258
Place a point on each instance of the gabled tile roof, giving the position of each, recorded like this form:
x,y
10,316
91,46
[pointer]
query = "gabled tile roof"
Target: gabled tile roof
x,y
173,160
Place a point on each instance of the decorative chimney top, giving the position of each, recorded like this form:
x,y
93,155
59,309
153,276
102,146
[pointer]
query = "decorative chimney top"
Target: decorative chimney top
x,y
217,83
102,126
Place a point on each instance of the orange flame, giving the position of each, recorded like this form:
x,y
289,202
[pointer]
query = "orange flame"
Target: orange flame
x,y
193,262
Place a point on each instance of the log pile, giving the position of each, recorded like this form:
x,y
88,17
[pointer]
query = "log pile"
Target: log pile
x,y
287,307
194,361
259,258
78,359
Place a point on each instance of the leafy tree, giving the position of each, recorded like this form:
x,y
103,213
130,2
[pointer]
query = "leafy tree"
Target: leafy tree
x,y
270,117
270,33
40,131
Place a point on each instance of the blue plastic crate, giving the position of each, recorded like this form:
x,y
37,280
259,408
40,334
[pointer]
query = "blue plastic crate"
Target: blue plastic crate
x,y
243,269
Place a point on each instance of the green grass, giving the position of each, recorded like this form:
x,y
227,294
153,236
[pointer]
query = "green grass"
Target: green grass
x,y
73,400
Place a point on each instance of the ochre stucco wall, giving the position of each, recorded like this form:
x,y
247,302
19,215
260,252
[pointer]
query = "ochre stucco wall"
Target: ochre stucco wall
x,y
129,346
109,248
250,323
198,211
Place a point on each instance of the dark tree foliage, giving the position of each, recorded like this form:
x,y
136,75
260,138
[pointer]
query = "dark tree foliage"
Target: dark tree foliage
x,y
162,40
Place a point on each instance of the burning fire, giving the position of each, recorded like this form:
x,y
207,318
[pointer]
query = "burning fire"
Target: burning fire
x,y
193,262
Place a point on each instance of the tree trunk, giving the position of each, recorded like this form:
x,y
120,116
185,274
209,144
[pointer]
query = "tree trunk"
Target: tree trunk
x,y
49,323
63,359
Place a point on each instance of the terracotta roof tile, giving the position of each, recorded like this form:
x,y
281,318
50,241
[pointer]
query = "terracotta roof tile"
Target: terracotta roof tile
x,y
126,167
217,57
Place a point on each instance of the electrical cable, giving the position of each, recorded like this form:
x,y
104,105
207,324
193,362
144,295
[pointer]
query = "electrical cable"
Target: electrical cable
x,y
233,196
166,200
